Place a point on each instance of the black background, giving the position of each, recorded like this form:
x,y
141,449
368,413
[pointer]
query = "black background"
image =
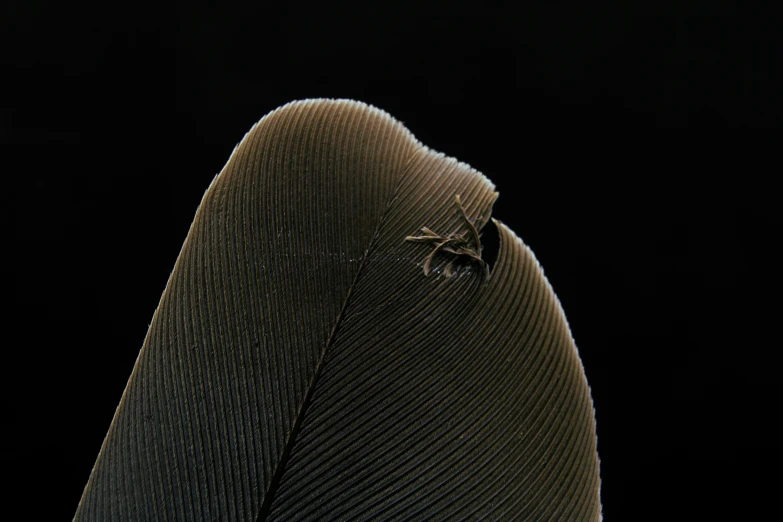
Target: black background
x,y
659,244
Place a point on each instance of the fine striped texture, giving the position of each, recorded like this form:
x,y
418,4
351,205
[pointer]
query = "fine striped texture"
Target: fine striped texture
x,y
302,366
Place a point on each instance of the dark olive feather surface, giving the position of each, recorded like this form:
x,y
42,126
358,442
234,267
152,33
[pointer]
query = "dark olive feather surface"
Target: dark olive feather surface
x,y
307,362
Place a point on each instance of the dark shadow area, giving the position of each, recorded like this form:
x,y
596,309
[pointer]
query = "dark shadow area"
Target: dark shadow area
x,y
490,243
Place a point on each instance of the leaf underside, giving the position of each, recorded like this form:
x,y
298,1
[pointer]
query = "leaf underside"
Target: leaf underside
x,y
301,365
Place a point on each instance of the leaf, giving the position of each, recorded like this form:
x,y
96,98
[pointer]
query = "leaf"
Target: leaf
x,y
331,346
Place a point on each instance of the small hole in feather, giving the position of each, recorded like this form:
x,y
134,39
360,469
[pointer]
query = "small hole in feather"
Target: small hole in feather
x,y
490,242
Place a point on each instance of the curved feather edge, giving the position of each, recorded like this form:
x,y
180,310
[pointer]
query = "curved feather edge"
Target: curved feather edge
x,y
207,429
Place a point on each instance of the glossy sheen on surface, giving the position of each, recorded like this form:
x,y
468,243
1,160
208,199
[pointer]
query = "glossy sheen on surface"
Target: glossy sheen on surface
x,y
301,365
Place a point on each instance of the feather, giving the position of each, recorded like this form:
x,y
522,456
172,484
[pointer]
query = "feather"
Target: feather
x,y
330,345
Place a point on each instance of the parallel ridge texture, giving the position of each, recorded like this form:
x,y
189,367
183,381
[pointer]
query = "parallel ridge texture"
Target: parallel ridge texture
x,y
301,366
